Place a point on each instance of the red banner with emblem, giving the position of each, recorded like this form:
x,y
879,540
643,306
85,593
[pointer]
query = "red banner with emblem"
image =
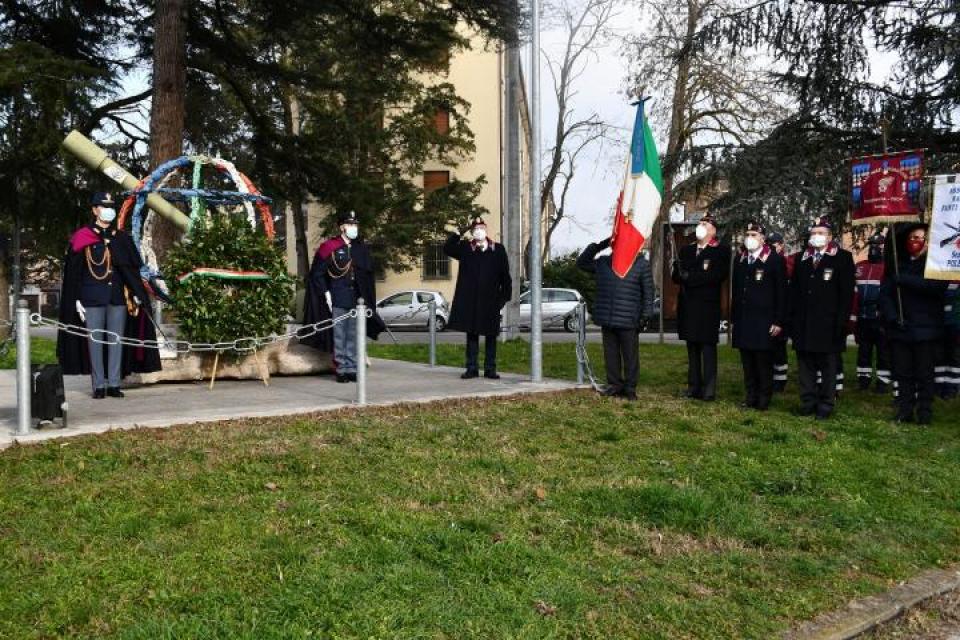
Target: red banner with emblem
x,y
886,188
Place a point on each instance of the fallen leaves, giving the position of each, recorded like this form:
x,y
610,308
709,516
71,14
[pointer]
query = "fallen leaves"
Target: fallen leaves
x,y
545,609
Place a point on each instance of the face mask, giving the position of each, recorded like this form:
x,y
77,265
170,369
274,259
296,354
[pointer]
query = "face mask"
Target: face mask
x,y
818,241
107,215
751,243
916,247
702,231
351,232
479,234
875,254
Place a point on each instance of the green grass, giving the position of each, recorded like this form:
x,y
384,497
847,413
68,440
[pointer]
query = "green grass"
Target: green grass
x,y
42,351
556,516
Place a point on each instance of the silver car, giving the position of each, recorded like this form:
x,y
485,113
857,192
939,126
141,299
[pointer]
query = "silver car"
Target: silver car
x,y
410,309
558,309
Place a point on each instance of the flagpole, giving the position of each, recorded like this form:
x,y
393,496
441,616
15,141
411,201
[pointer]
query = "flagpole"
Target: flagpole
x,y
536,266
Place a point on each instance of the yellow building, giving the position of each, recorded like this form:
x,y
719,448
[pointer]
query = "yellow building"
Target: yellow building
x,y
479,77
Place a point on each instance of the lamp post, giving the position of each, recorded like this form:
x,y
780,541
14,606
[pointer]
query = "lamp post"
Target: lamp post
x,y
536,267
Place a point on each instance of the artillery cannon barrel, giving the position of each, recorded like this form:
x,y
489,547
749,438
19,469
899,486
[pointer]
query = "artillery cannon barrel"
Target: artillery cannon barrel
x,y
96,158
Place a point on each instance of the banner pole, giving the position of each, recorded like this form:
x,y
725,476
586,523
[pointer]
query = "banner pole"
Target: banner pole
x,y
884,125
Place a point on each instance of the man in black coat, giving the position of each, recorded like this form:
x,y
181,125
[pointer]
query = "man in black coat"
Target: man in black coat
x,y
620,307
102,290
821,297
700,271
914,337
341,273
781,364
758,313
483,287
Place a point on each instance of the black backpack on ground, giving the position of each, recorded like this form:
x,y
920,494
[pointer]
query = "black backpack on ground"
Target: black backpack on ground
x,y
48,395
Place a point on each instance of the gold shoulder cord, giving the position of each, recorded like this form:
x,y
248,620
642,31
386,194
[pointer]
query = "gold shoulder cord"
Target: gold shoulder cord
x,y
106,262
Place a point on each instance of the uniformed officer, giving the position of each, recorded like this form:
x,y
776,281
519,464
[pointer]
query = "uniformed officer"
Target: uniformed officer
x,y
758,313
948,364
915,335
341,273
869,332
700,270
102,290
821,296
781,365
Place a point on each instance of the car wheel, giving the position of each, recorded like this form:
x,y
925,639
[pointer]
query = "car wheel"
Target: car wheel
x,y
440,324
570,324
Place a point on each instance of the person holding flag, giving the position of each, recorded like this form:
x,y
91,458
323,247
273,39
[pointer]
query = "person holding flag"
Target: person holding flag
x,y
701,270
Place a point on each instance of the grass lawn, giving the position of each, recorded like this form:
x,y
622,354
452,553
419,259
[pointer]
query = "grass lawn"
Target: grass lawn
x,y
554,516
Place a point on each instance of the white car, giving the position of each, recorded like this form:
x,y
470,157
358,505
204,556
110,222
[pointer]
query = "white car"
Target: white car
x,y
558,309
410,309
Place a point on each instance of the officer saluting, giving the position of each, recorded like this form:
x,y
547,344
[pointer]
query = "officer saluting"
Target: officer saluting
x,y
700,271
821,296
759,312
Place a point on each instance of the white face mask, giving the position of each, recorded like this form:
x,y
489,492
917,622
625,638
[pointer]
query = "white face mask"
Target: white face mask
x,y
818,241
107,215
479,234
702,231
351,231
751,243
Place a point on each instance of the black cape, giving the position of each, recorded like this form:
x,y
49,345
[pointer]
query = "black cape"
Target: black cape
x,y
72,351
483,286
315,307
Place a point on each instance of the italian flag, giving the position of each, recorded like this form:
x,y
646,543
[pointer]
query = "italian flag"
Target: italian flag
x,y
640,197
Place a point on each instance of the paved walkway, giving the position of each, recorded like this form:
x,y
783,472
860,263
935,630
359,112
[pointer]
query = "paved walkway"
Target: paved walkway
x,y
162,405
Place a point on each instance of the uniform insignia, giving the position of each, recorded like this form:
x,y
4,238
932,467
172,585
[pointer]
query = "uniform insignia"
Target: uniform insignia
x,y
827,274
706,265
758,276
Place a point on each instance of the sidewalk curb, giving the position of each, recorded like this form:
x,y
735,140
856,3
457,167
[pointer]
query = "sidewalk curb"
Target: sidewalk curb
x,y
864,614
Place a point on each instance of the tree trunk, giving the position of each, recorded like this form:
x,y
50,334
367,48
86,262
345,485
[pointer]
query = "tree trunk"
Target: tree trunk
x,y
168,112
291,125
676,139
4,299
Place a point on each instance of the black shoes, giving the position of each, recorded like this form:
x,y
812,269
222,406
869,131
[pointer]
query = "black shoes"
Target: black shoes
x,y
99,394
610,391
629,396
491,375
114,392
469,374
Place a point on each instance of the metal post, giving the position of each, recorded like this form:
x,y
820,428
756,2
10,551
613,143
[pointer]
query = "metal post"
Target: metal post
x,y
361,352
432,325
24,377
581,337
536,271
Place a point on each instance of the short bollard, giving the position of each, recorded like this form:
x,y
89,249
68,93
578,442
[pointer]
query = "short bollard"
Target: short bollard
x,y
581,340
24,381
432,325
361,352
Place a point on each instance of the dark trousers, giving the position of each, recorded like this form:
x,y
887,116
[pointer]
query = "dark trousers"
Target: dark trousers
x,y
780,365
872,341
757,377
702,369
818,380
489,356
621,357
913,369
948,364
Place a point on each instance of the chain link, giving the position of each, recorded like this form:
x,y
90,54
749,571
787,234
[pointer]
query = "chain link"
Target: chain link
x,y
239,345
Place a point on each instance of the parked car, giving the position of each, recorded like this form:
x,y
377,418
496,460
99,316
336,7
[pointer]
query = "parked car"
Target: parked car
x,y
410,309
558,309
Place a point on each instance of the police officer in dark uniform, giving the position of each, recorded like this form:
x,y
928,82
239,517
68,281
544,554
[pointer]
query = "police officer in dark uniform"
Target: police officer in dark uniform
x,y
915,336
758,313
869,332
821,296
700,271
781,364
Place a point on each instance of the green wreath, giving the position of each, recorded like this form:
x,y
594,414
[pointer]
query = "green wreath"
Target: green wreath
x,y
213,306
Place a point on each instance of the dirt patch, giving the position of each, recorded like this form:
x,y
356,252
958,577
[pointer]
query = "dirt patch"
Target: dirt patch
x,y
936,619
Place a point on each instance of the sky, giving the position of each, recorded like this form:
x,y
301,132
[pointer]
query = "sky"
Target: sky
x,y
602,89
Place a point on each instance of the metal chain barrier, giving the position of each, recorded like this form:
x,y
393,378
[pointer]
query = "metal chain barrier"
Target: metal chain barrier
x,y
240,345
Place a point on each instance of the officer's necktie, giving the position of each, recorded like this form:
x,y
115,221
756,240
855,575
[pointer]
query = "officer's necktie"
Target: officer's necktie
x,y
750,261
816,259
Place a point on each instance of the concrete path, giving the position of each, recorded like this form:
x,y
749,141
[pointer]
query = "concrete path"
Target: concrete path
x,y
162,405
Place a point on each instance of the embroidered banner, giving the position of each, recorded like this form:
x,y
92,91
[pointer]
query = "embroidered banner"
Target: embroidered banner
x,y
943,254
886,188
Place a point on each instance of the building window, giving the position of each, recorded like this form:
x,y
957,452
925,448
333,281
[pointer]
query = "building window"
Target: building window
x,y
441,122
433,180
436,264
